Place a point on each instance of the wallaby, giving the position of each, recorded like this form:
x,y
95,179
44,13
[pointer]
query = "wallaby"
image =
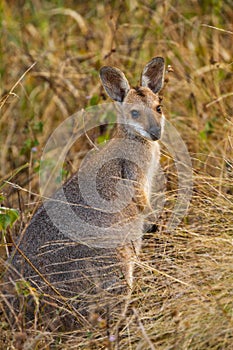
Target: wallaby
x,y
78,269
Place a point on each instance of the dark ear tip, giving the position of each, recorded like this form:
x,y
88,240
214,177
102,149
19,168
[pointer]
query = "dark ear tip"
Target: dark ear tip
x,y
103,69
158,59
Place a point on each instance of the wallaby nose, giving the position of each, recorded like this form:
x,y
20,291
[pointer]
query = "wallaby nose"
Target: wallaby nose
x,y
155,133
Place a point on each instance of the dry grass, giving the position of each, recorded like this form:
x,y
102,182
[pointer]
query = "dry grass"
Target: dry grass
x,y
183,295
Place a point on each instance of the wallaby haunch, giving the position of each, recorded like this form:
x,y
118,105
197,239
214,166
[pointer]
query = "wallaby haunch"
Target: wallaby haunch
x,y
85,271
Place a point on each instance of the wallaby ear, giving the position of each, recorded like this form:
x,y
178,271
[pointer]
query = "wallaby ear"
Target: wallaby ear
x,y
153,74
115,83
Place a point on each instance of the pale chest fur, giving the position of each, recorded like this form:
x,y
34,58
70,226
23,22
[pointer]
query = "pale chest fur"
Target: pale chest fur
x,y
151,169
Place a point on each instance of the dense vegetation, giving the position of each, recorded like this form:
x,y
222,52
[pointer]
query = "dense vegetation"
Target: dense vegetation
x,y
51,52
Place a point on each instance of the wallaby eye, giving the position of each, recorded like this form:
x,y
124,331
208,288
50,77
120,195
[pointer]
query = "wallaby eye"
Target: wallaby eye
x,y
134,113
159,109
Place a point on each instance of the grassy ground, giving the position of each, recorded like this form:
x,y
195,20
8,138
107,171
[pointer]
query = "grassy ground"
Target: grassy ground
x,y
50,58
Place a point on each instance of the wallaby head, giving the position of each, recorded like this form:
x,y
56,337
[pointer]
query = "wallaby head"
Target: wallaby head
x,y
141,112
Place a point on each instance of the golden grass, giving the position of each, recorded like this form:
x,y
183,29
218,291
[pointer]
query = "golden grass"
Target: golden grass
x,y
51,55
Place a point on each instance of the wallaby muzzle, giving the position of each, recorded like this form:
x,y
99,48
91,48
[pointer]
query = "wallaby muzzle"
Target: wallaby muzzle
x,y
155,133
